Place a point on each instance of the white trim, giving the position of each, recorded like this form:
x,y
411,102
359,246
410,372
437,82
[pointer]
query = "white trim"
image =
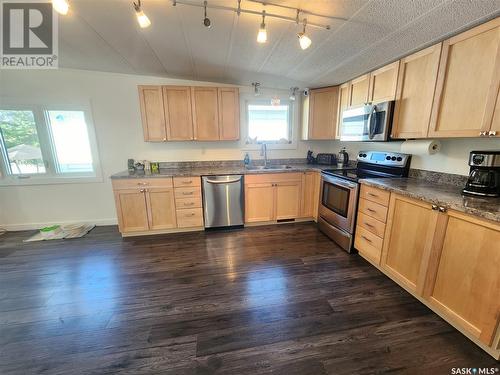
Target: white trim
x,y
36,226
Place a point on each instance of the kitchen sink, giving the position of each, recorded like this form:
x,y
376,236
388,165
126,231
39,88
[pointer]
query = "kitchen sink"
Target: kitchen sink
x,y
262,167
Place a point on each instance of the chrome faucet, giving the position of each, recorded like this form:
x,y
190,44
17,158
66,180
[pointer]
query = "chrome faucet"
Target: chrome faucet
x,y
263,152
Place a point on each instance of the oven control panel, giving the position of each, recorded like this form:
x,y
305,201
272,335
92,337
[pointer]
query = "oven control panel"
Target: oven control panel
x,y
393,159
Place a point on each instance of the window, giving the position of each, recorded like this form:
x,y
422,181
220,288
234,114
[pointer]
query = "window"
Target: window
x,y
269,123
44,145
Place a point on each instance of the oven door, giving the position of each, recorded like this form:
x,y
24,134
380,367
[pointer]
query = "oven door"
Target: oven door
x,y
338,202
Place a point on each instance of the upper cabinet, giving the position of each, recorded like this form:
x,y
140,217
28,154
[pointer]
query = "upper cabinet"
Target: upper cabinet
x,y
184,113
205,113
467,84
383,83
343,105
229,113
358,91
321,107
178,113
153,116
415,93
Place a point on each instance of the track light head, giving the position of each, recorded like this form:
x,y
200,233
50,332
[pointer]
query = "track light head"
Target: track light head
x,y
304,40
262,35
256,88
206,21
61,6
293,93
141,16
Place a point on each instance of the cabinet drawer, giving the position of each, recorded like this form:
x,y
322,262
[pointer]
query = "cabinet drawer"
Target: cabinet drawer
x,y
272,177
187,181
182,203
191,217
133,183
371,225
375,195
373,209
368,244
187,192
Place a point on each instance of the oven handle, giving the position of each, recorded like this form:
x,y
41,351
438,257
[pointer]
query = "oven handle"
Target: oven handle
x,y
340,182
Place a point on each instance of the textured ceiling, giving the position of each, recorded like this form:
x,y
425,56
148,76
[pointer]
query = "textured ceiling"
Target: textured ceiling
x,y
103,35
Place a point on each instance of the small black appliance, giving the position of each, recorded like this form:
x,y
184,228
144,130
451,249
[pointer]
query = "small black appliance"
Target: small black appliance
x,y
484,176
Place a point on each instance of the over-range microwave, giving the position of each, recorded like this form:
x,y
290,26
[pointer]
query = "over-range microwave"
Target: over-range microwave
x,y
371,123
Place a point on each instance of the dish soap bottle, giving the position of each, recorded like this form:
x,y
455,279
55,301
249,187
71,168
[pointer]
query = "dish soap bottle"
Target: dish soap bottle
x,y
246,160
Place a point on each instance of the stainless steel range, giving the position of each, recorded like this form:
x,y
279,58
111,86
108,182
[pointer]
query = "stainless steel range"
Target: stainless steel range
x,y
340,190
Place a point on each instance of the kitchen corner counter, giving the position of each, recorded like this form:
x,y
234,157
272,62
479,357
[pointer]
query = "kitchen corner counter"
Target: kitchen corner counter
x,y
449,196
221,170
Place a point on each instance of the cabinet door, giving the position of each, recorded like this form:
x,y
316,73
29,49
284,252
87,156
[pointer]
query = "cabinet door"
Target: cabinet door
x,y
467,83
415,93
161,208
408,238
358,91
323,113
464,282
343,105
229,114
152,113
177,104
288,198
310,194
259,202
205,114
383,83
495,123
131,210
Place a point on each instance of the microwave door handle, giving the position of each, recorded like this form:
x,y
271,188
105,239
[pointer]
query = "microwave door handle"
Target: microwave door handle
x,y
371,127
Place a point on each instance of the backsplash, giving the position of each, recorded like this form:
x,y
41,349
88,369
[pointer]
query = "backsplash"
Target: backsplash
x,y
439,177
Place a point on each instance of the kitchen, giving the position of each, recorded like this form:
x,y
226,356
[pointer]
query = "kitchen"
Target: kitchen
x,y
417,241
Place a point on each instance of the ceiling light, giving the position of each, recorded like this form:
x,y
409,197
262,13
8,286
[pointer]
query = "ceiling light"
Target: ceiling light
x,y
256,88
262,35
304,40
206,20
141,16
60,6
293,92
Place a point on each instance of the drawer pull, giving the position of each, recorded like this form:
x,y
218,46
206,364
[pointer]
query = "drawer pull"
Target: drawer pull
x,y
373,195
142,183
189,204
371,209
366,238
187,182
191,214
368,225
188,193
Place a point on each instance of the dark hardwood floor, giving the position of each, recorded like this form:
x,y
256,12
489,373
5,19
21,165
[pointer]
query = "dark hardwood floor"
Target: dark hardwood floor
x,y
264,300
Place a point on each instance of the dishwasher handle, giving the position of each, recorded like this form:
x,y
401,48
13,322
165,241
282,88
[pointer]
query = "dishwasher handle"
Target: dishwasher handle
x,y
223,181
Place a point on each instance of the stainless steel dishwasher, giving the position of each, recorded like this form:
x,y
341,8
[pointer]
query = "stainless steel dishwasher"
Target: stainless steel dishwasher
x,y
223,201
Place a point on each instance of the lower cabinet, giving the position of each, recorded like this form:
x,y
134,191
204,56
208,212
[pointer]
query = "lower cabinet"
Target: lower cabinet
x,y
273,196
132,210
448,260
161,208
310,194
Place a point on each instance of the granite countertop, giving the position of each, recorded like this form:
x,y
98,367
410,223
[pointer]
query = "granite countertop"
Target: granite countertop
x,y
449,196
221,170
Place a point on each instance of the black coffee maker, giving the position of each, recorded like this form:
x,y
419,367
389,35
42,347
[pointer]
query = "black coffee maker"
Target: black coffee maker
x,y
484,176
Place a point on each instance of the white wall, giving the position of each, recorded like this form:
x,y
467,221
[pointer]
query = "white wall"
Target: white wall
x,y
116,117
453,157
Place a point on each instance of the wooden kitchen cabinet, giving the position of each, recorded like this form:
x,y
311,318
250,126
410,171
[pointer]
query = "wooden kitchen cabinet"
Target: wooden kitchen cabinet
x,y
322,110
415,93
178,113
152,113
310,194
273,196
131,210
205,113
467,84
342,106
463,280
229,113
161,208
409,234
358,91
383,83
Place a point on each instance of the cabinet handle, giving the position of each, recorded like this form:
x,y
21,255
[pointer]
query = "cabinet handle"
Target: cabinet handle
x,y
482,134
191,214
187,193
142,183
365,238
142,190
164,139
371,209
368,225
492,133
373,195
187,182
189,204
435,207
442,209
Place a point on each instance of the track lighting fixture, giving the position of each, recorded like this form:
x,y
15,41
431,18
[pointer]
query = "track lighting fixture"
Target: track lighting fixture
x,y
262,35
141,16
256,88
206,20
293,93
304,40
61,6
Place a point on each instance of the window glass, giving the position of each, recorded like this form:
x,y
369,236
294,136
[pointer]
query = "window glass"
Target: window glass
x,y
20,144
269,123
70,141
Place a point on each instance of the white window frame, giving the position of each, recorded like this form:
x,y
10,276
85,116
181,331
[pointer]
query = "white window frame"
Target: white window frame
x,y
48,152
273,145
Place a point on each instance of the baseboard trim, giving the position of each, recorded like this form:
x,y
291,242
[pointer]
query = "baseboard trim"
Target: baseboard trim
x,y
35,226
